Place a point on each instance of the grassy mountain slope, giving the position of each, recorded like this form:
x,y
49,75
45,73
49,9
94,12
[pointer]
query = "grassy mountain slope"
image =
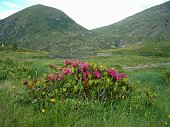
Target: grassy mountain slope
x,y
152,24
44,28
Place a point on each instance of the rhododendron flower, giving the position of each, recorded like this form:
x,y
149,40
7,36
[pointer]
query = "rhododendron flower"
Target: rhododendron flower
x,y
112,72
67,62
52,77
97,74
83,66
25,82
60,76
49,77
85,74
67,71
124,75
118,77
75,63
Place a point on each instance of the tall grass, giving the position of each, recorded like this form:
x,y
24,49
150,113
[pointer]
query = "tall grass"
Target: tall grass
x,y
77,113
134,111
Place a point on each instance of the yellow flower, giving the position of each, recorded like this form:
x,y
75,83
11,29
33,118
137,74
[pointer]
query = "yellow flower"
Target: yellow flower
x,y
52,100
43,110
169,116
38,89
13,87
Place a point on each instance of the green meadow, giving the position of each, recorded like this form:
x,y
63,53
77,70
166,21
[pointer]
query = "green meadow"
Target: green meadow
x,y
148,104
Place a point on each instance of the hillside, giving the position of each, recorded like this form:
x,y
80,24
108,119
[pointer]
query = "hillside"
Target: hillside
x,y
152,24
43,28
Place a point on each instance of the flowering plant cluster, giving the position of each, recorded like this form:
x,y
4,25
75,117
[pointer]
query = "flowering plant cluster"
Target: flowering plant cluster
x,y
78,80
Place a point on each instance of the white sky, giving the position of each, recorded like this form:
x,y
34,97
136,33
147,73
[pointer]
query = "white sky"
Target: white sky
x,y
88,13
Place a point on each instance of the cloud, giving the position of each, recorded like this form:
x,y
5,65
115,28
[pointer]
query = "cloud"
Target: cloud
x,y
7,9
9,4
95,13
7,13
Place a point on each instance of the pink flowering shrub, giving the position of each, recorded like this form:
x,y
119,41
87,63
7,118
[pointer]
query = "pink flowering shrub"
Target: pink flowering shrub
x,y
79,80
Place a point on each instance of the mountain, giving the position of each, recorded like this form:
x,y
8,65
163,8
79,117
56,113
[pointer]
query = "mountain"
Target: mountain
x,y
150,25
44,28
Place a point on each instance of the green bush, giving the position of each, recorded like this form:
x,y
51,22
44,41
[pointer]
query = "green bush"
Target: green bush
x,y
141,97
17,69
77,80
166,77
13,69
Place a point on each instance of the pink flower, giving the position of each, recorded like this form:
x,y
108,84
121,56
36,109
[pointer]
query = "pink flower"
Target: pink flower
x,y
67,71
67,62
52,77
60,76
25,82
118,77
49,77
112,72
83,66
75,63
97,74
85,74
124,75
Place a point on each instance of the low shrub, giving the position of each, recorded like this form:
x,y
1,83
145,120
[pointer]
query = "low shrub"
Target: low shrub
x,y
141,97
77,80
10,69
166,77
14,69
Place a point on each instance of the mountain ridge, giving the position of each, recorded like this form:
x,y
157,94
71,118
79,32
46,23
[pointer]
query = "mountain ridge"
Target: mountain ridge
x,y
43,28
151,24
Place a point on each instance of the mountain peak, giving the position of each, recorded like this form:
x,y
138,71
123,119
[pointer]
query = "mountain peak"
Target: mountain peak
x,y
38,24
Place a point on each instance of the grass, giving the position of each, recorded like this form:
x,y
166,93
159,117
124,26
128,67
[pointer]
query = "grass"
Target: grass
x,y
77,113
149,53
129,112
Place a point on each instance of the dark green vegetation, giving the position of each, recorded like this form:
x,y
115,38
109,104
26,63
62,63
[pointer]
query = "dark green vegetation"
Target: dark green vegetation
x,y
43,28
149,25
